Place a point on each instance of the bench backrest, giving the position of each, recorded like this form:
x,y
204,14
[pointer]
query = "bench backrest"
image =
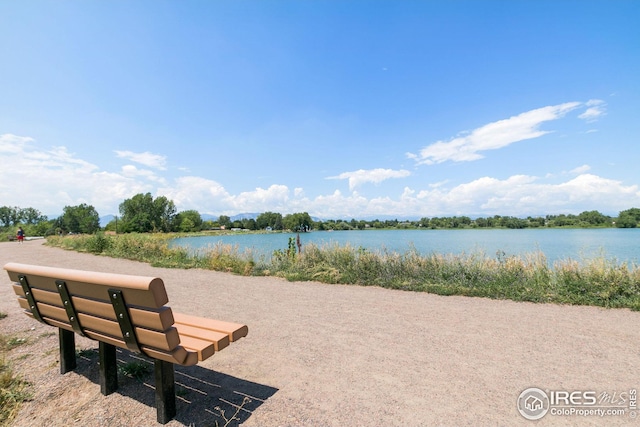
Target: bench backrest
x,y
88,302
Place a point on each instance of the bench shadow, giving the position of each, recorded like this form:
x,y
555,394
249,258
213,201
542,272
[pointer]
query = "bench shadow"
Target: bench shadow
x,y
203,397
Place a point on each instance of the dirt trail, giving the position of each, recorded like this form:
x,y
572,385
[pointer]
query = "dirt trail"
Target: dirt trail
x,y
330,355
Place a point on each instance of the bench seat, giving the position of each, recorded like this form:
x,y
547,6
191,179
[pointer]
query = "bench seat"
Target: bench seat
x,y
119,310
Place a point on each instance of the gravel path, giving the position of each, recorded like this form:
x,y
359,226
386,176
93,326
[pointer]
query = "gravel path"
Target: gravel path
x,y
331,355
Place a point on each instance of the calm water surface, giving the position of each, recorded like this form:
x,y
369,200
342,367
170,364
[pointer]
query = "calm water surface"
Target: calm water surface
x,y
557,244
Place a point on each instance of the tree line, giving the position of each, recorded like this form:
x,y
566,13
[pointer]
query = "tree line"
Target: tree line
x,y
143,214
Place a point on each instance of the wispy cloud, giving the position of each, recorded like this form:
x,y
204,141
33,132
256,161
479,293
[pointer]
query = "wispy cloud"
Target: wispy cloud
x,y
492,136
151,160
580,170
596,108
130,171
10,143
376,176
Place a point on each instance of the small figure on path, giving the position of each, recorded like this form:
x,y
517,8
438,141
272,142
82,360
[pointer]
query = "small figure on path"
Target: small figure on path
x,y
20,235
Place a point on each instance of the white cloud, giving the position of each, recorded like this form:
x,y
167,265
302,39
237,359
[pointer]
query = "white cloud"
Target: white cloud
x,y
528,195
201,194
492,136
49,179
131,171
148,159
336,205
580,169
12,144
518,195
275,196
376,176
596,109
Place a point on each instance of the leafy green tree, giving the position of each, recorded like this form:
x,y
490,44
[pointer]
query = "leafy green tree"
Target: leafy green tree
x,y
515,223
341,225
164,213
269,219
210,225
628,218
482,222
31,216
188,221
80,219
562,220
142,213
297,222
593,218
13,215
9,216
225,221
536,222
248,224
186,225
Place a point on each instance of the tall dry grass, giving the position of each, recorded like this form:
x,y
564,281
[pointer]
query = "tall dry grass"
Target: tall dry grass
x,y
598,281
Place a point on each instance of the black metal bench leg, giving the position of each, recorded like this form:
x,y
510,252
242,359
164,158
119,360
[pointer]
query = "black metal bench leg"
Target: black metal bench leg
x,y
165,391
108,369
67,341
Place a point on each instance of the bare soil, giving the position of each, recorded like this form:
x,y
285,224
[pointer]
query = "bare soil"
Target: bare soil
x,y
331,355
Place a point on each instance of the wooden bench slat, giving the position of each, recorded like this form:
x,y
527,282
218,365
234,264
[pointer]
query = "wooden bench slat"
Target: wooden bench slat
x,y
159,319
137,290
234,330
178,355
205,349
220,340
166,340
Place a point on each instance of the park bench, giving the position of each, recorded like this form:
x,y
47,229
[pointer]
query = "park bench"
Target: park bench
x,y
123,311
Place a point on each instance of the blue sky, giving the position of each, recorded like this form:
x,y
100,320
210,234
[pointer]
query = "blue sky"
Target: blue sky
x,y
342,109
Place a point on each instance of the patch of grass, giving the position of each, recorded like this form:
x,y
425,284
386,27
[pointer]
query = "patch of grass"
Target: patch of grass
x,y
137,370
13,389
14,342
2,315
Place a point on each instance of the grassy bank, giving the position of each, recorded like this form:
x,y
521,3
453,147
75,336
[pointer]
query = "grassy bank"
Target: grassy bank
x,y
599,281
13,389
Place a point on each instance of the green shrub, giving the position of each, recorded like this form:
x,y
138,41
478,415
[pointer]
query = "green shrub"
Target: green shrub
x,y
137,370
98,243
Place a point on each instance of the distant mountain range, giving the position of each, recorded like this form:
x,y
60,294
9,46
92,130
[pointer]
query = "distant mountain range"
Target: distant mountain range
x,y
104,220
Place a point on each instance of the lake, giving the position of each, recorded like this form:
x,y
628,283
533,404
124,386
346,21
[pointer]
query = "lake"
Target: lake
x,y
619,244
